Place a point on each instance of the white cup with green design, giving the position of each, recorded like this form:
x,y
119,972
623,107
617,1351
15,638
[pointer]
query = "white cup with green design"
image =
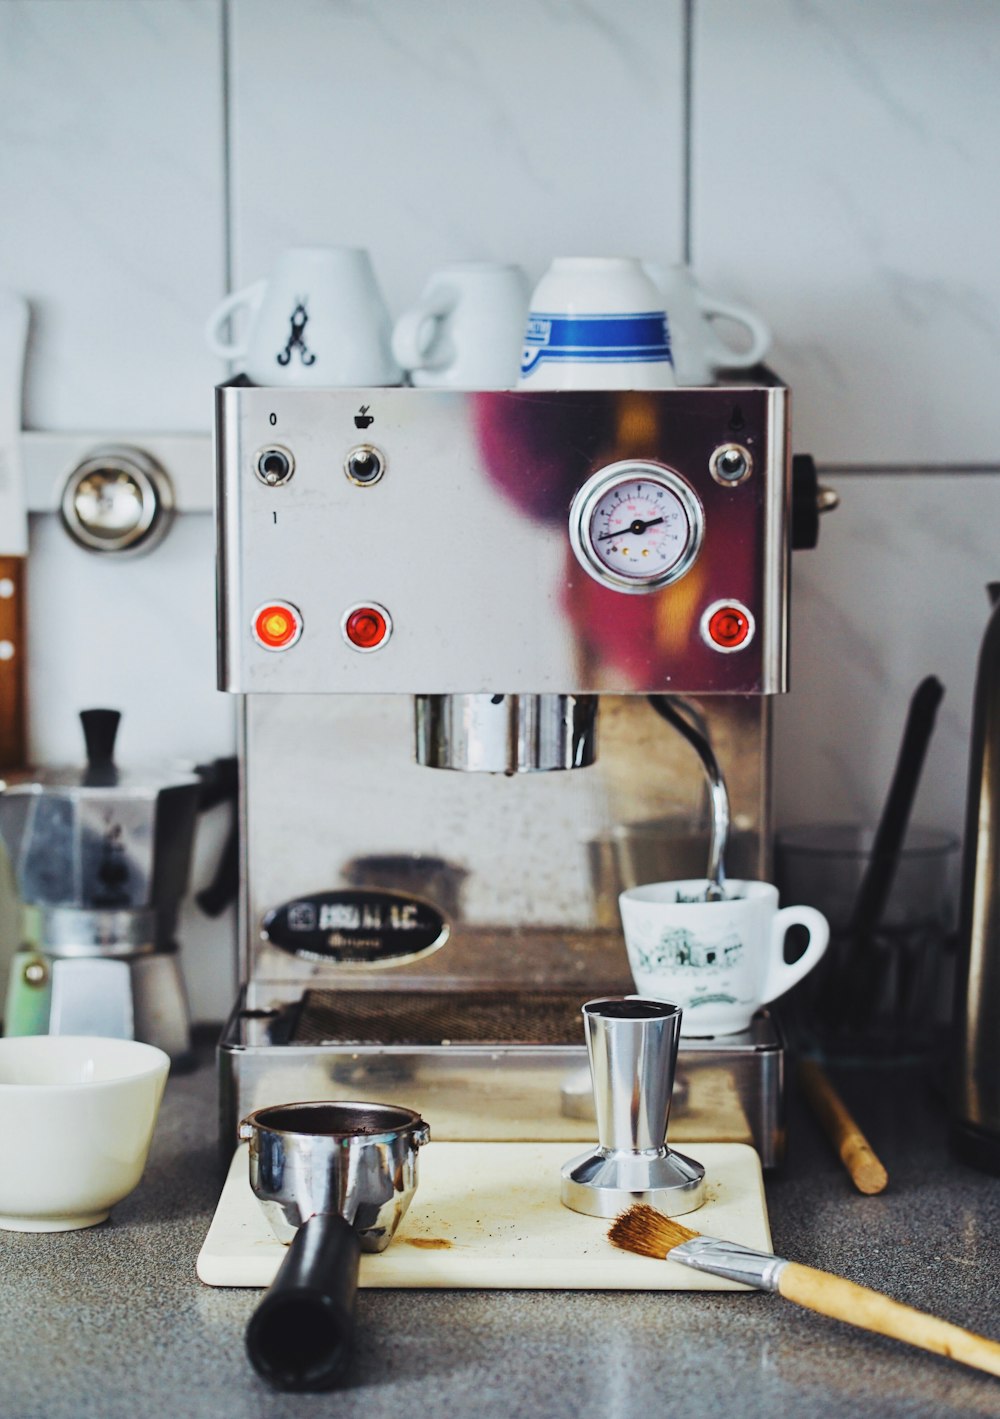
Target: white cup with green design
x,y
720,961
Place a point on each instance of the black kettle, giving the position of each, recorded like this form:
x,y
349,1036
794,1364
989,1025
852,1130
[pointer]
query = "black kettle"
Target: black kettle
x,y
975,1084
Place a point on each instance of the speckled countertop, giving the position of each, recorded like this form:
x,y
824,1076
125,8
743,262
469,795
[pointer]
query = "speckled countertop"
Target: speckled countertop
x,y
113,1322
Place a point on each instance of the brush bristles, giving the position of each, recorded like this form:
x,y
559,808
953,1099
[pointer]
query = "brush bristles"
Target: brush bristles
x,y
647,1232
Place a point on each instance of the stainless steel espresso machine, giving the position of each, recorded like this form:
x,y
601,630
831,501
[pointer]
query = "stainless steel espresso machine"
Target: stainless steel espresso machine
x,y
415,581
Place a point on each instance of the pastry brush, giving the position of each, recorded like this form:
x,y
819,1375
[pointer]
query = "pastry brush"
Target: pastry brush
x,y
647,1232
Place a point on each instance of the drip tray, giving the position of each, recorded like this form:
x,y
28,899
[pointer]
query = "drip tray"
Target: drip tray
x,y
452,1018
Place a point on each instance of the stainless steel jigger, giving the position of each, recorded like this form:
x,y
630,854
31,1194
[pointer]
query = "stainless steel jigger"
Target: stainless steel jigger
x,y
632,1044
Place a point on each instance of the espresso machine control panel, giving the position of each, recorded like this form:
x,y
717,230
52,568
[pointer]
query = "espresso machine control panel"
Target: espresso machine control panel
x,y
410,540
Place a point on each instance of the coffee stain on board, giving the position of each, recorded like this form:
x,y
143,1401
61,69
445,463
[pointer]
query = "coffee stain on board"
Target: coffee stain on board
x,y
428,1243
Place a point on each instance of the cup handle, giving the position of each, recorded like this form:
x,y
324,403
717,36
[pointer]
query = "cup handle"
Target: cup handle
x,y
250,296
417,332
760,334
781,976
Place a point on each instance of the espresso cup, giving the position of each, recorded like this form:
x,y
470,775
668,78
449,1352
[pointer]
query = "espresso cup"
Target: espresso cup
x,y
718,960
596,323
318,320
465,332
696,343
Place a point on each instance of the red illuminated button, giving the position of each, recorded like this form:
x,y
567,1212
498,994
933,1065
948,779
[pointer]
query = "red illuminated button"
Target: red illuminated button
x,y
367,627
276,625
727,625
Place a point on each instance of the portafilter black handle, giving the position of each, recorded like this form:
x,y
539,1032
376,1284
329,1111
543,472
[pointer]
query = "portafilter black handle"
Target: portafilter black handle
x,y
299,1337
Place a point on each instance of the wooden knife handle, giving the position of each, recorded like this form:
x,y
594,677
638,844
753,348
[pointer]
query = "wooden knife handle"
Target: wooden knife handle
x,y
13,665
870,1310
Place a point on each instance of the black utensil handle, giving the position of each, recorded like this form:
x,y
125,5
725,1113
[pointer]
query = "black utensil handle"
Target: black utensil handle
x,y
225,884
299,1337
100,729
890,833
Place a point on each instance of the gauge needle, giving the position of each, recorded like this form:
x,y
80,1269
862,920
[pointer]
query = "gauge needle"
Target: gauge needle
x,y
634,528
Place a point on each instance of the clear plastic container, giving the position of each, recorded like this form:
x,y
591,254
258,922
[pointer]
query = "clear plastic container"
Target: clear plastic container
x,y
881,993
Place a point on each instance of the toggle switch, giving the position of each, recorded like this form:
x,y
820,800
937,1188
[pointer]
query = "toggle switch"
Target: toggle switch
x,y
731,464
274,465
364,465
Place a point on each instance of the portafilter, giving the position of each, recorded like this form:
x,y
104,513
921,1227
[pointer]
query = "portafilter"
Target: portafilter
x,y
334,1180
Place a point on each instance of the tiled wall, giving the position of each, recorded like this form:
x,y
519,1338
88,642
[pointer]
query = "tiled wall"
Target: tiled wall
x,y
844,179
829,162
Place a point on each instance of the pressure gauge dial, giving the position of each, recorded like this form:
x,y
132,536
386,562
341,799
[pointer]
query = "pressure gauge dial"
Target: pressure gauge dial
x,y
636,526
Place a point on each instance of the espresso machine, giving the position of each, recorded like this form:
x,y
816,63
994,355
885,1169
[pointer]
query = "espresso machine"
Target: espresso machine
x,y
444,613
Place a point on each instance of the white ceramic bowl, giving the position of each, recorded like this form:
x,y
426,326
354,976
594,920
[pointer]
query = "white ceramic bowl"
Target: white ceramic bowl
x,y
76,1121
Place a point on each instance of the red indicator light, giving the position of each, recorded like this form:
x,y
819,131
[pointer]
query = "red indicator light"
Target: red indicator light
x,y
276,625
727,626
367,627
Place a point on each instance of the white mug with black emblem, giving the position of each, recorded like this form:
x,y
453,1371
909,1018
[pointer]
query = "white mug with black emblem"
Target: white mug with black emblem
x,y
596,322
319,319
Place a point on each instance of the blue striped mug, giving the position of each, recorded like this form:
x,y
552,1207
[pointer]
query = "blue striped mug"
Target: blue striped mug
x,y
596,323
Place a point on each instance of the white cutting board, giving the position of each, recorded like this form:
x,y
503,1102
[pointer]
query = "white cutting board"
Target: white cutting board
x,y
488,1216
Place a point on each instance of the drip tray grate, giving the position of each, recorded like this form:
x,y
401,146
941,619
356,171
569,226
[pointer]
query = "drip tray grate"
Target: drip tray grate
x,y
432,1018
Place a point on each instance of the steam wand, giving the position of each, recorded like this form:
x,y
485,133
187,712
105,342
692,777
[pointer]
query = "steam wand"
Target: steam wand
x,y
718,795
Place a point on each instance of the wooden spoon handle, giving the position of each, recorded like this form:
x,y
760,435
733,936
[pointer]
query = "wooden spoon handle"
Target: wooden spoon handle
x,y
869,1310
856,1153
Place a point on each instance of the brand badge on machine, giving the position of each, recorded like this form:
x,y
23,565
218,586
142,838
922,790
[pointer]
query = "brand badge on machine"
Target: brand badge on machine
x,y
357,926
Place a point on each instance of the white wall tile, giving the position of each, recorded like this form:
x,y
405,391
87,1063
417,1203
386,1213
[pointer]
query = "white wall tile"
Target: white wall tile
x,y
434,132
136,634
845,183
111,168
894,591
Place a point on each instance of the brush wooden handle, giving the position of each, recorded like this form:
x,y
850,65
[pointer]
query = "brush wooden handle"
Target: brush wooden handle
x,y
869,1310
856,1153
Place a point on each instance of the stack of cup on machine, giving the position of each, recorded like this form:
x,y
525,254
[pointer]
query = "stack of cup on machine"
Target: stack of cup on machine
x,y
604,322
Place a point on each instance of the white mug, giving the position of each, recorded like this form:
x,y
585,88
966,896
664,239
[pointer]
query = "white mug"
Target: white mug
x,y
718,960
319,320
466,330
696,344
596,323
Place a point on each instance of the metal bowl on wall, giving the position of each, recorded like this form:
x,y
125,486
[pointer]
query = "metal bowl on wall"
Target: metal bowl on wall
x,y
119,499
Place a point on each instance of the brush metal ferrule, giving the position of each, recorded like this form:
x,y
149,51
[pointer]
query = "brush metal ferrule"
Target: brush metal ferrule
x,y
729,1259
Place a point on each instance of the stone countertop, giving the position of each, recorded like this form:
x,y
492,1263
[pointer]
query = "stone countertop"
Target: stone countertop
x,y
113,1322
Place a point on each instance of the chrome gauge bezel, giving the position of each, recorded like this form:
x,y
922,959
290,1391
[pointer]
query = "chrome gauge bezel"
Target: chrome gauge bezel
x,y
590,494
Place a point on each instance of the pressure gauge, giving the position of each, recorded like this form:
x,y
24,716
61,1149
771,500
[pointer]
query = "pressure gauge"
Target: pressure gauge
x,y
636,526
